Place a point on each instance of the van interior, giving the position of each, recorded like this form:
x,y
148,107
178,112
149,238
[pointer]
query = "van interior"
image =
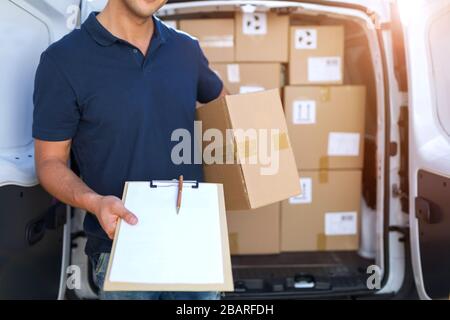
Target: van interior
x,y
308,274
54,228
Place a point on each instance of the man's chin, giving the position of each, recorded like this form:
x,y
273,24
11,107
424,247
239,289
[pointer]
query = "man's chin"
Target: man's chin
x,y
144,15
146,8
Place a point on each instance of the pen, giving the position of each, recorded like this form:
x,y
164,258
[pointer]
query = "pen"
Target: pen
x,y
180,192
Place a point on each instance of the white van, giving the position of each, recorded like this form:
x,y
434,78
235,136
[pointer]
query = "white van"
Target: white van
x,y
398,49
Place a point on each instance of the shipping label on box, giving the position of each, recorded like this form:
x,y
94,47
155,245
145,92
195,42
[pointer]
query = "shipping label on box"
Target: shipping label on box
x,y
324,69
306,192
233,73
254,23
341,223
343,144
304,112
305,39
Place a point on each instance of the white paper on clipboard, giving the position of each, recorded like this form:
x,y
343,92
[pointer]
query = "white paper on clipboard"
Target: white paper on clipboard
x,y
167,251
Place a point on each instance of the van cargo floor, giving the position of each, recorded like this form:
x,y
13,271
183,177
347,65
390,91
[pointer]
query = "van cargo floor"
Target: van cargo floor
x,y
299,274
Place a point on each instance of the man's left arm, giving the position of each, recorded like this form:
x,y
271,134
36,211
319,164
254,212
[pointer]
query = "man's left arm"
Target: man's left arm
x,y
210,86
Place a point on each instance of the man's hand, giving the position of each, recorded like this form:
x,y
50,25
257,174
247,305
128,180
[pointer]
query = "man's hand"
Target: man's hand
x,y
110,209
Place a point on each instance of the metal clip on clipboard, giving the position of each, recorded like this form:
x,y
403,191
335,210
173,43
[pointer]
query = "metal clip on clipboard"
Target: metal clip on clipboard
x,y
173,183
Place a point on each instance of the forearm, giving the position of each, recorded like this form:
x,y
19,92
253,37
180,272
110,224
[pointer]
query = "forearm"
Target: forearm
x,y
61,182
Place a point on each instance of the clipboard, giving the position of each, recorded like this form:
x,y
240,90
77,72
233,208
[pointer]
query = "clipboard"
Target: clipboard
x,y
170,252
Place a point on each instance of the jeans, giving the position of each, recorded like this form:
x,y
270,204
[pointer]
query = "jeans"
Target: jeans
x,y
100,263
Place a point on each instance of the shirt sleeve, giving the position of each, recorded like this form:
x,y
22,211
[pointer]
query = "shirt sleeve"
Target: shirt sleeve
x,y
209,84
56,113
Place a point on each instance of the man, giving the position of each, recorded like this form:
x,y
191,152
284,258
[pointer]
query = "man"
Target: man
x,y
112,93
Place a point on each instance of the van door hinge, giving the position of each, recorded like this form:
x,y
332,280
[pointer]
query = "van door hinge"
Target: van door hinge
x,y
404,231
398,193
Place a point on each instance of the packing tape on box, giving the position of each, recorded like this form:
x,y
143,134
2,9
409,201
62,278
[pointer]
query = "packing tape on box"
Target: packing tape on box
x,y
321,242
283,141
249,148
325,94
246,149
233,238
324,165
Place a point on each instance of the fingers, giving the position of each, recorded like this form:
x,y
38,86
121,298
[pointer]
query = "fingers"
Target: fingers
x,y
112,230
126,215
112,210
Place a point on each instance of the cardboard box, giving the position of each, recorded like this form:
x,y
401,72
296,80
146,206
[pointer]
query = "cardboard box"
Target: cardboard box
x,y
249,77
256,166
326,126
255,231
216,37
262,37
316,55
326,217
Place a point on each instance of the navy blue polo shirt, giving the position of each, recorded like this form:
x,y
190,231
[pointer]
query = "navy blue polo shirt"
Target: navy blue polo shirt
x,y
120,107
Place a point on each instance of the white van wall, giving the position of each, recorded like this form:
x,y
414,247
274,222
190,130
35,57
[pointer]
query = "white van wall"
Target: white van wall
x,y
88,6
27,28
23,39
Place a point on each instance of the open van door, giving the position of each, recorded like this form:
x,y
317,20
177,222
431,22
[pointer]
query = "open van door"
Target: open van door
x,y
427,41
34,237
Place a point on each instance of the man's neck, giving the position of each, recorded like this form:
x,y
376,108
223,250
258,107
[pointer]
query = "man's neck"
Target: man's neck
x,y
123,24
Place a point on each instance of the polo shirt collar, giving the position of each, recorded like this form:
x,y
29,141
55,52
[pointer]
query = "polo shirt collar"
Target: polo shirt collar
x,y
105,38
160,29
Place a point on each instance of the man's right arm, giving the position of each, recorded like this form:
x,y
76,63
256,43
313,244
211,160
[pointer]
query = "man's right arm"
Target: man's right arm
x,y
59,180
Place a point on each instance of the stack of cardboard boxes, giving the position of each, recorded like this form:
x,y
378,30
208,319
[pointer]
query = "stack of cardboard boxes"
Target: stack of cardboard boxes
x,y
325,122
326,125
247,52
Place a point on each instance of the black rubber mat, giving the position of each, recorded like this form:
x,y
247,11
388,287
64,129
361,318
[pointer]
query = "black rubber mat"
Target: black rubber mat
x,y
300,273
